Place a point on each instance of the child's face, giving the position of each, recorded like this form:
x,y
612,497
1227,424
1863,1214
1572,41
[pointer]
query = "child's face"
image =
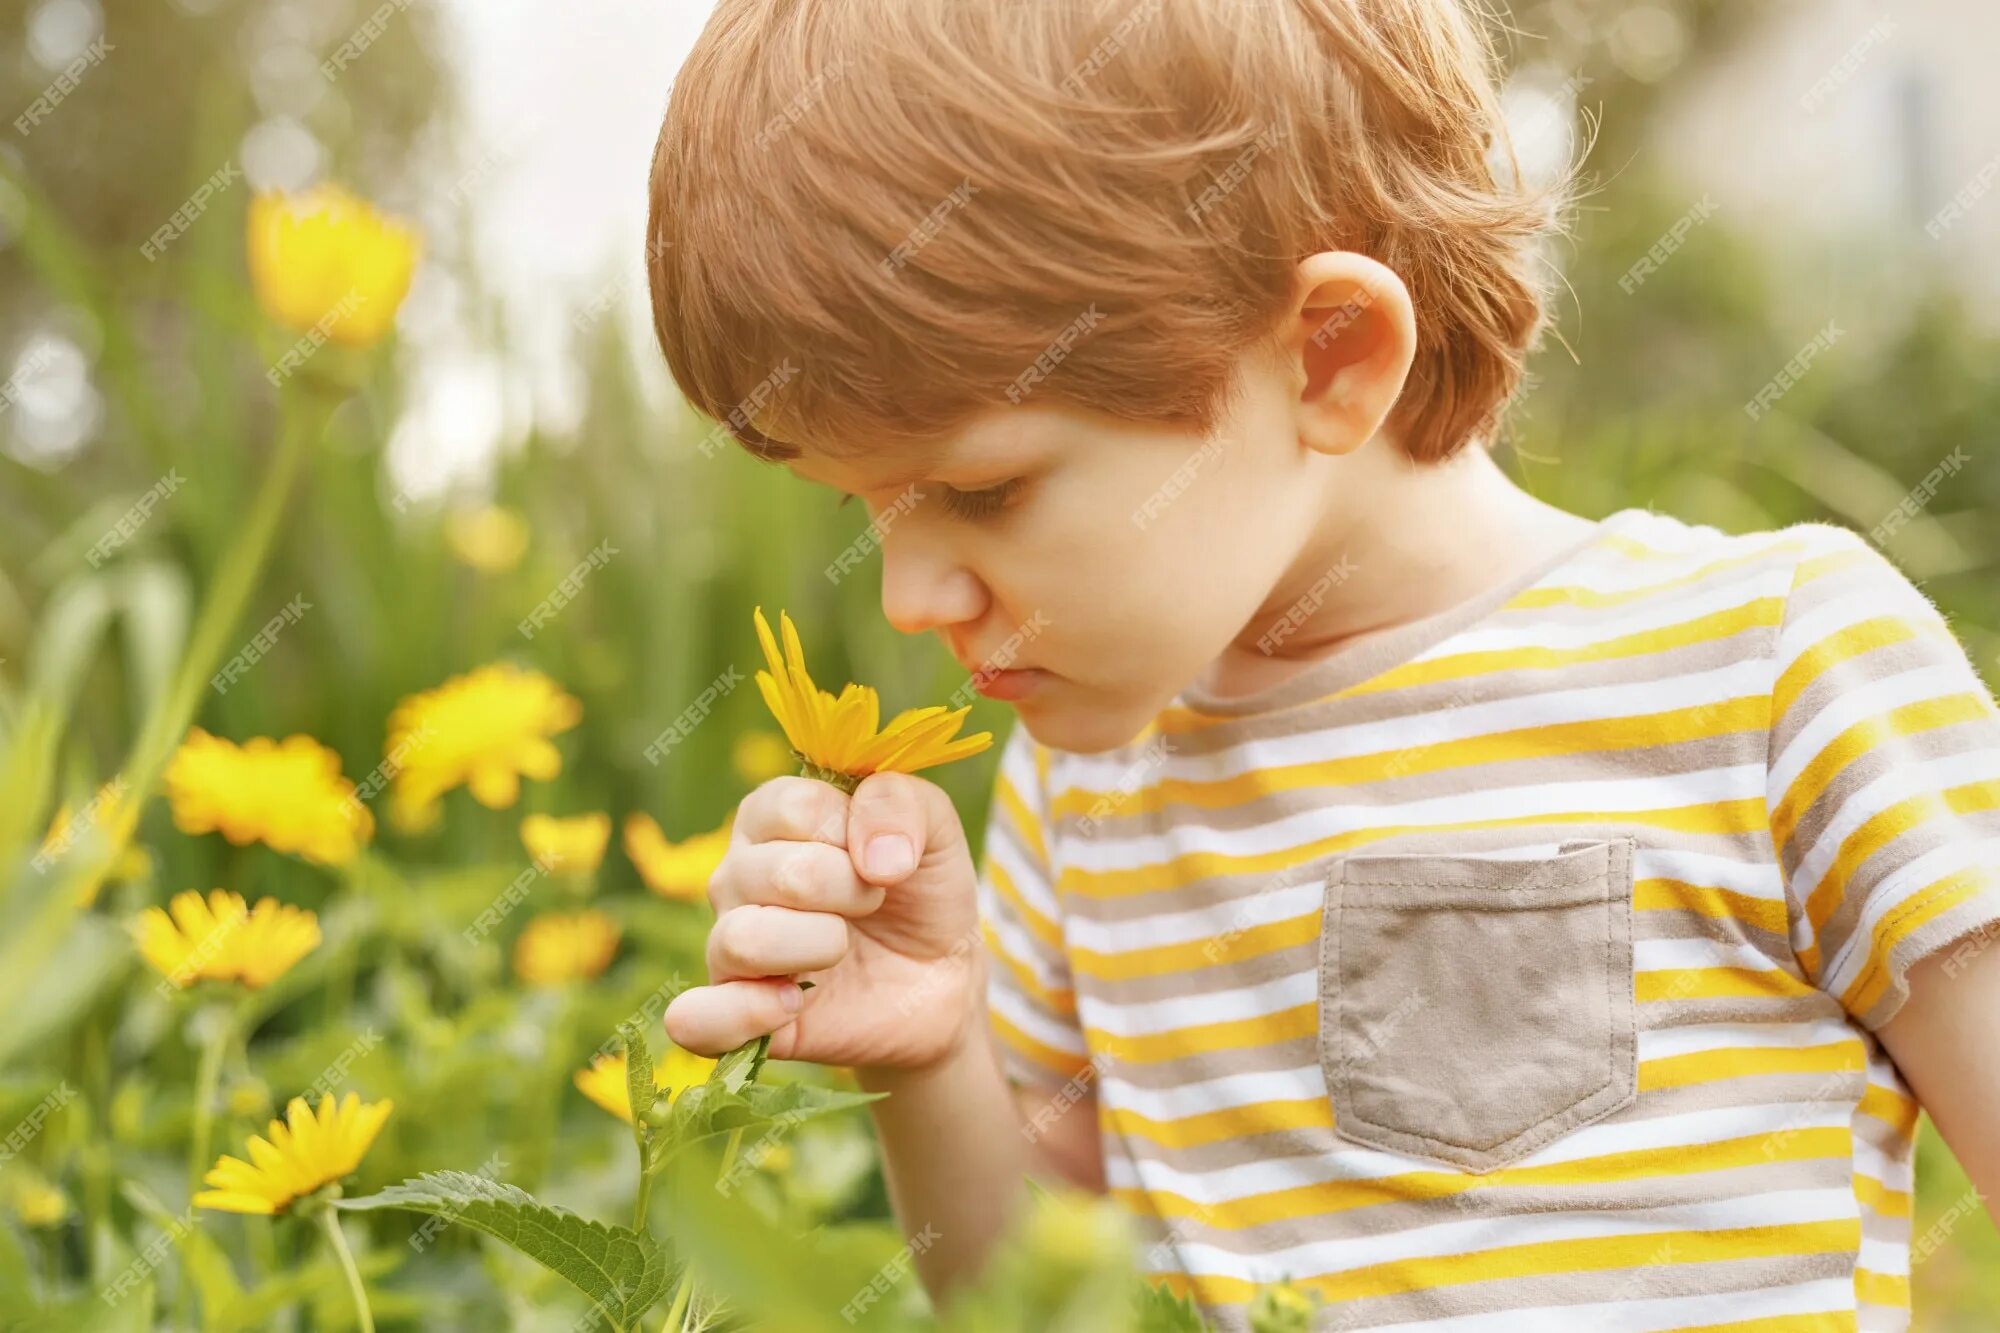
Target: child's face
x,y
1120,559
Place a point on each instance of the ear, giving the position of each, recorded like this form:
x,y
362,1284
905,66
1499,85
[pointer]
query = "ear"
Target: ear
x,y
1350,341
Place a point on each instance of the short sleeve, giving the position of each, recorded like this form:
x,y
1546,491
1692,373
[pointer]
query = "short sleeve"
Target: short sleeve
x,y
1884,776
1030,999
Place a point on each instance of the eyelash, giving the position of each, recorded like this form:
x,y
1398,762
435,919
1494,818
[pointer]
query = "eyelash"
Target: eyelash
x,y
970,504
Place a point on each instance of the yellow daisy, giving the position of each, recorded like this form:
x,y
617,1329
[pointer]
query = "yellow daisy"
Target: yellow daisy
x,y
485,730
759,756
678,870
288,795
560,947
491,539
217,938
326,260
40,1204
837,738
572,846
675,1069
301,1153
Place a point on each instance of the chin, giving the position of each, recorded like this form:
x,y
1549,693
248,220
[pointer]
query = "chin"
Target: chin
x,y
1088,728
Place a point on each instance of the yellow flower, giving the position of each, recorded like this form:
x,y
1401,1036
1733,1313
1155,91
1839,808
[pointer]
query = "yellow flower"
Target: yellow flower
x,y
217,938
559,947
326,260
838,737
573,846
286,794
759,756
1281,1308
486,729
68,828
302,1153
676,1069
677,870
40,1204
490,539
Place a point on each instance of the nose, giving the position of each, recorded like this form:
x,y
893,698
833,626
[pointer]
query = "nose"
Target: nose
x,y
925,587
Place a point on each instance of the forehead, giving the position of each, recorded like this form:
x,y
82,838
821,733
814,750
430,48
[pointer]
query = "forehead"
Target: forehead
x,y
991,440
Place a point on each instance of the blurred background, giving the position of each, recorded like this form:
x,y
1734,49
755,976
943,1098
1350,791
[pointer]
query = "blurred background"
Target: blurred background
x,y
1763,178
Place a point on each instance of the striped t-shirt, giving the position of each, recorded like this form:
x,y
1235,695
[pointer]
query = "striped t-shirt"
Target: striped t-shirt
x,y
1519,968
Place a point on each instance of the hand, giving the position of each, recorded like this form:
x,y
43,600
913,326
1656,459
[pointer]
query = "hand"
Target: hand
x,y
871,897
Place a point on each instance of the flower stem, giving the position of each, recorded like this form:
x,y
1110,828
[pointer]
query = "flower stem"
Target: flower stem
x,y
330,1220
645,1197
680,1305
207,1071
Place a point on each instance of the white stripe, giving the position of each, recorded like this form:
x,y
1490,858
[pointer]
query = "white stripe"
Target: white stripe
x,y
1186,1011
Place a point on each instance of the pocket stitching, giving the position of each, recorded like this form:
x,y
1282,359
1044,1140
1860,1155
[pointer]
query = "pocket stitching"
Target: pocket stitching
x,y
1619,1089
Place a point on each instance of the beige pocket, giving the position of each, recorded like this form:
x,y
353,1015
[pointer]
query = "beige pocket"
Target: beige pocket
x,y
1474,1008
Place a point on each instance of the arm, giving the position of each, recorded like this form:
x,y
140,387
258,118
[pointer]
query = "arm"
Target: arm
x,y
954,1154
1942,1041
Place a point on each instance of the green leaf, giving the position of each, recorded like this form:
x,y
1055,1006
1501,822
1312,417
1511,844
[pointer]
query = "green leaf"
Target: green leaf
x,y
712,1108
639,1087
1160,1311
623,1272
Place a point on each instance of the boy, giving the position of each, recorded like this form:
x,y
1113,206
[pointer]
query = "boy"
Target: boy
x,y
1475,913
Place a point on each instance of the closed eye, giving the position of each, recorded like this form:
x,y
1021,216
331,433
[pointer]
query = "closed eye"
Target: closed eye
x,y
981,503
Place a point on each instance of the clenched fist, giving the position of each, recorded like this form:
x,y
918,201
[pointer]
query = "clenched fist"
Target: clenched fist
x,y
871,897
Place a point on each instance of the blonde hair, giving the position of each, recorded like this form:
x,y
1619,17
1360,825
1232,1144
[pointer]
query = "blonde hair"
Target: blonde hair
x,y
871,220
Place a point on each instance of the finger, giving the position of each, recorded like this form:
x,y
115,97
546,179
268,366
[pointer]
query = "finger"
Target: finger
x,y
894,820
806,876
792,809
710,1020
759,941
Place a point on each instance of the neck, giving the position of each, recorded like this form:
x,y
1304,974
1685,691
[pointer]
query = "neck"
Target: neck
x,y
1395,542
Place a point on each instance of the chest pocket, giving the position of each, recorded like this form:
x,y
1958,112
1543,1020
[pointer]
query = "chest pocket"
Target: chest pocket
x,y
1475,1008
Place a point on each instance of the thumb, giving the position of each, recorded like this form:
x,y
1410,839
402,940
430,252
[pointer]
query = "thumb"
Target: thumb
x,y
895,820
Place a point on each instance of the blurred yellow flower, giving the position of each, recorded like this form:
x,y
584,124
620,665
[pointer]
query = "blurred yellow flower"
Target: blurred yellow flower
x,y
490,539
486,729
560,947
759,756
676,1069
572,846
839,737
39,1204
217,938
287,794
300,1153
326,260
67,828
1279,1307
677,870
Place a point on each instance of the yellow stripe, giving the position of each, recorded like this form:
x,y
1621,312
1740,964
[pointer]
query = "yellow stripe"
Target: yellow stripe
x,y
1680,1071
1760,613
1909,916
1231,1122
1023,820
1592,1254
1843,645
1873,1194
1891,1107
1591,736
1236,1034
1043,929
1861,739
1591,597
1067,1064
1717,983
1059,1001
1884,828
1639,1164
1672,895
1891,1289
1228,947
1708,817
